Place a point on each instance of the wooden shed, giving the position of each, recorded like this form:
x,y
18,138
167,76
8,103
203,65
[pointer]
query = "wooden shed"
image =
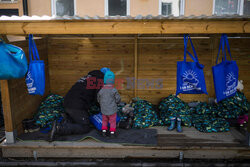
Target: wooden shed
x,y
134,47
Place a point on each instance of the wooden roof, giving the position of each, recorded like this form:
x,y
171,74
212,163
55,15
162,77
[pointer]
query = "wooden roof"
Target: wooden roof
x,y
123,25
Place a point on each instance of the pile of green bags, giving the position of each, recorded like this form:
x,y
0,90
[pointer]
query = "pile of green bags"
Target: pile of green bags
x,y
172,106
234,106
49,110
205,118
145,114
207,123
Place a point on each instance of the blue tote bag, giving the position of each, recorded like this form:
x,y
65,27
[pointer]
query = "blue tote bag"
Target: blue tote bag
x,y
35,78
226,73
13,62
190,76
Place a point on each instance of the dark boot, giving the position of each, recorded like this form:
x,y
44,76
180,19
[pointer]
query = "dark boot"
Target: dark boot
x,y
29,125
104,133
113,134
53,131
172,125
179,129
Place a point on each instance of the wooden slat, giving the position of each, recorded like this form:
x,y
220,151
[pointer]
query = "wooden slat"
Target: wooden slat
x,y
7,107
136,66
125,27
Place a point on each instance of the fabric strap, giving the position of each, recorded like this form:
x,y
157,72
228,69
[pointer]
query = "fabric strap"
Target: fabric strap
x,y
223,45
186,39
33,49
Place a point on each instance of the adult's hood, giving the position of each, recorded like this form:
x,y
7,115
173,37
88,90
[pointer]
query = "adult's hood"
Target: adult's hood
x,y
96,73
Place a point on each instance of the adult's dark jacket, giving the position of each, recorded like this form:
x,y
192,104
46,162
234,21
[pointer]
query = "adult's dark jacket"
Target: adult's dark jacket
x,y
79,96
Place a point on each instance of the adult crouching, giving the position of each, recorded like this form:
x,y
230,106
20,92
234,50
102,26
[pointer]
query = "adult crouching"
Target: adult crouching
x,y
77,103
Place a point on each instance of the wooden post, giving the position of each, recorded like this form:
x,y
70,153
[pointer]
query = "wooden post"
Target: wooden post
x,y
135,66
7,112
214,39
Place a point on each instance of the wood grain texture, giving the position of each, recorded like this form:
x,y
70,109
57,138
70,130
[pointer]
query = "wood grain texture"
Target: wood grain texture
x,y
205,26
69,59
7,106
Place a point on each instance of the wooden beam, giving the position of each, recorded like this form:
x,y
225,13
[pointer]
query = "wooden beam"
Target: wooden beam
x,y
136,66
125,27
107,150
9,5
7,112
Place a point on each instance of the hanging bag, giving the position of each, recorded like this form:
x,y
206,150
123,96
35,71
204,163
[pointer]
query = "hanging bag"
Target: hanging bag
x,y
35,79
226,73
13,62
190,76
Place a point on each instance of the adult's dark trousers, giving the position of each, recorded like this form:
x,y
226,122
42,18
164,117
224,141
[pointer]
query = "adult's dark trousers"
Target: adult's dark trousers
x,y
76,122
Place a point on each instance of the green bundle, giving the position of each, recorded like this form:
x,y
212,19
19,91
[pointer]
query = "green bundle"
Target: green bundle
x,y
49,110
172,106
233,107
208,123
145,114
206,119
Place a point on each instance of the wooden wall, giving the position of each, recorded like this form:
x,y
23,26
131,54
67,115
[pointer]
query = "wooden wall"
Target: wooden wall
x,y
158,58
69,59
24,105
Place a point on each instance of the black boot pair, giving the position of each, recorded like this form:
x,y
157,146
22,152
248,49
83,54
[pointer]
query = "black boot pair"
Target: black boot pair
x,y
29,126
105,133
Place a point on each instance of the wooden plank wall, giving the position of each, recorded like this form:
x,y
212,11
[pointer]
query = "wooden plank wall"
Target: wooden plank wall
x,y
24,105
157,60
69,59
241,53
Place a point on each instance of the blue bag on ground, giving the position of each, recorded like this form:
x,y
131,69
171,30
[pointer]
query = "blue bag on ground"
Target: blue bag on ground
x,y
190,76
96,120
35,79
13,62
226,73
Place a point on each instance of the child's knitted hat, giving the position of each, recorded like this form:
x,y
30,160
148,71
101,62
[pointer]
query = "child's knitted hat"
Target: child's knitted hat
x,y
109,77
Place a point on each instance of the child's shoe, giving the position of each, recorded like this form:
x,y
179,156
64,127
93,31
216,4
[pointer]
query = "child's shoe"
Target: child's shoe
x,y
113,134
172,126
179,129
104,133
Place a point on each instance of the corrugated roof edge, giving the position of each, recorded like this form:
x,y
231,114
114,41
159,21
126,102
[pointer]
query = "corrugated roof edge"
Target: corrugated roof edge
x,y
138,17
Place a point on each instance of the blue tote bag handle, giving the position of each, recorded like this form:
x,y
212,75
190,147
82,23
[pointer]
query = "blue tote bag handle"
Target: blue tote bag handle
x,y
194,58
33,49
223,42
186,38
228,47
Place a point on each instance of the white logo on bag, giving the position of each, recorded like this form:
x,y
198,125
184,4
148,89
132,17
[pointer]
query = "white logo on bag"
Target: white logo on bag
x,y
190,81
230,81
231,84
29,83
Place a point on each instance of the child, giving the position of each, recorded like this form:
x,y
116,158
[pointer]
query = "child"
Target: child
x,y
108,98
